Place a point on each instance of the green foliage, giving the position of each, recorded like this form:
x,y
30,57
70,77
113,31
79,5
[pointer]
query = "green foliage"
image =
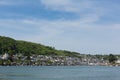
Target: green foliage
x,y
112,58
71,54
1,62
7,45
12,46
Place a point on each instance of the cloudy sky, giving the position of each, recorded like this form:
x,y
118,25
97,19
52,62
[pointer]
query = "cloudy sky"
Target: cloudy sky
x,y
85,26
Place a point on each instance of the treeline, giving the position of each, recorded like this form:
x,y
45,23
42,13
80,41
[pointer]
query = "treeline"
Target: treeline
x,y
111,58
12,46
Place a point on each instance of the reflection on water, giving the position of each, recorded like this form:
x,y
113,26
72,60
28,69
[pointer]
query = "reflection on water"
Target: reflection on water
x,y
60,73
15,75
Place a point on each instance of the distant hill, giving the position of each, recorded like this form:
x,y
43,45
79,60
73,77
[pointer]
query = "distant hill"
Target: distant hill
x,y
12,46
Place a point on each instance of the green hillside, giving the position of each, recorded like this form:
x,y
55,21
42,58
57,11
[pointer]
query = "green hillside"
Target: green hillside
x,y
12,46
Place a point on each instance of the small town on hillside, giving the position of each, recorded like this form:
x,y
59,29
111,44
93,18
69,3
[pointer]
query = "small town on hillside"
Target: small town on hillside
x,y
23,53
44,60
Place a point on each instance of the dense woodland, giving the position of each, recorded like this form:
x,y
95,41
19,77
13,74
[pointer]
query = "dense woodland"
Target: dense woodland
x,y
12,46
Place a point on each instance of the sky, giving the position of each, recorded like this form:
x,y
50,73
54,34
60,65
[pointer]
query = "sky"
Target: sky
x,y
84,26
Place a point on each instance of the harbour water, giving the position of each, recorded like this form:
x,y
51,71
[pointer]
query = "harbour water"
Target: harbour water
x,y
59,73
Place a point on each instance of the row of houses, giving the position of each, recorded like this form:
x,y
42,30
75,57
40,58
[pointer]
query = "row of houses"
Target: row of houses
x,y
43,60
94,61
39,60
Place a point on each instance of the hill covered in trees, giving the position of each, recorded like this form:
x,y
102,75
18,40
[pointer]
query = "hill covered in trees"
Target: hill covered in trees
x,y
29,53
12,46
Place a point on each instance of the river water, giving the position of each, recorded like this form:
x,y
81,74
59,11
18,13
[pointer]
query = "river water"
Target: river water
x,y
59,73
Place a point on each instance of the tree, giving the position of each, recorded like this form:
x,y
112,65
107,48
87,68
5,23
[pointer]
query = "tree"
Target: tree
x,y
112,58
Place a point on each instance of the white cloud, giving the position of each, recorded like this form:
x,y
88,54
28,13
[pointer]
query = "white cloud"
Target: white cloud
x,y
82,34
59,5
86,10
63,34
67,5
76,35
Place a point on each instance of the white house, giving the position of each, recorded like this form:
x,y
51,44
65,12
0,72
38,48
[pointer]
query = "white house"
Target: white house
x,y
5,56
118,61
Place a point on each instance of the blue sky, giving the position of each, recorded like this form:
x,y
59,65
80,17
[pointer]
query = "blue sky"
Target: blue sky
x,y
85,26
